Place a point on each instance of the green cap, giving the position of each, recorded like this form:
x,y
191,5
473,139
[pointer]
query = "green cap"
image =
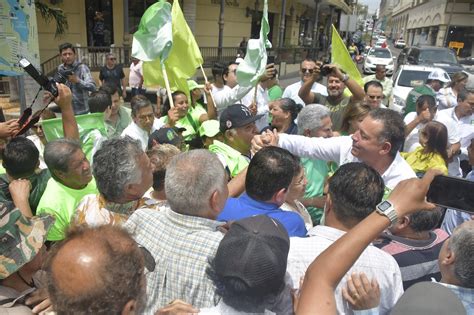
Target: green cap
x,y
193,85
21,238
209,128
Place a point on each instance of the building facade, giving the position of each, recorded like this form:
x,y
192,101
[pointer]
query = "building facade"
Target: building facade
x,y
241,19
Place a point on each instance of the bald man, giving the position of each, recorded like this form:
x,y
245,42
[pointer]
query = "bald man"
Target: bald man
x,y
97,271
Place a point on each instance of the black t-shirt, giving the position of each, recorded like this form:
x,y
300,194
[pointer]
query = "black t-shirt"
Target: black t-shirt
x,y
112,76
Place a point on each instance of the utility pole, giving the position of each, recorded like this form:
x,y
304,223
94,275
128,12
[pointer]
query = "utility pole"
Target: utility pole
x,y
221,30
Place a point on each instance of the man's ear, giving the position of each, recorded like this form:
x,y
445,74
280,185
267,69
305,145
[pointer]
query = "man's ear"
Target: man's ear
x,y
280,196
449,257
228,134
60,175
130,308
386,147
307,133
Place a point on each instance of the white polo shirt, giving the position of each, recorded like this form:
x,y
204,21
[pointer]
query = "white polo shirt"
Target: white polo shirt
x,y
338,149
292,91
135,132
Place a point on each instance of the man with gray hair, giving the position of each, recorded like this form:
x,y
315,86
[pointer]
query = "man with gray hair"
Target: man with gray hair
x,y
184,238
314,120
144,122
123,174
71,179
456,263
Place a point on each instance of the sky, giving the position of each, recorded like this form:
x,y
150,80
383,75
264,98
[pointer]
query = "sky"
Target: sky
x,y
373,4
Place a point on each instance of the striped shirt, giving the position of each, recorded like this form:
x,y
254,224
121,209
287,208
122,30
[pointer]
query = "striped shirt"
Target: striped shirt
x,y
466,295
182,247
417,259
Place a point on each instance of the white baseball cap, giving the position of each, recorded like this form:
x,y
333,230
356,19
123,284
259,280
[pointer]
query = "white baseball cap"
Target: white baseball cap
x,y
440,75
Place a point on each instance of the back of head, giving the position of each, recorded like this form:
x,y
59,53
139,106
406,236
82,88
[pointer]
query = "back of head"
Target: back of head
x,y
109,88
218,69
138,102
20,157
269,171
288,105
160,156
191,179
436,135
99,101
250,263
463,94
422,221
357,111
57,154
310,117
112,277
115,165
355,189
462,245
393,129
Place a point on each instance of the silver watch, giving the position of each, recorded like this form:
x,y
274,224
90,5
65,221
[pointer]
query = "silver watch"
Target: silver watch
x,y
386,208
345,77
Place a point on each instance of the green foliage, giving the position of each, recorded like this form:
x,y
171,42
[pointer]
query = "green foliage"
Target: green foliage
x,y
49,13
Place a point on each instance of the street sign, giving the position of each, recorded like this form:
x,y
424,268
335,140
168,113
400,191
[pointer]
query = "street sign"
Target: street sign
x,y
456,45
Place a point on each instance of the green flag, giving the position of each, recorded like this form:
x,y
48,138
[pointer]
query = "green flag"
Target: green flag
x,y
183,59
341,57
153,39
253,67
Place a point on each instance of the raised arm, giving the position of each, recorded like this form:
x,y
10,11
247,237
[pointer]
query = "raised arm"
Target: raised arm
x,y
305,91
64,101
324,274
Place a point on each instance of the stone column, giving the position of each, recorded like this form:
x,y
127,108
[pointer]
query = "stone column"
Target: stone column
x,y
441,34
189,12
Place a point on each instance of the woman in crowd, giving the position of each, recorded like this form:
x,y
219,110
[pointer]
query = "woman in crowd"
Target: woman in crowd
x,y
283,114
352,118
432,152
448,97
199,110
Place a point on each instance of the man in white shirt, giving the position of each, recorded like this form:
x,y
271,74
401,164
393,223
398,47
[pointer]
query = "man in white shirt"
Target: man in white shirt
x,y
354,191
144,121
135,78
376,143
460,116
307,68
380,76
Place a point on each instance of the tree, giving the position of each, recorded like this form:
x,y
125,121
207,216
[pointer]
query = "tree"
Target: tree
x,y
49,13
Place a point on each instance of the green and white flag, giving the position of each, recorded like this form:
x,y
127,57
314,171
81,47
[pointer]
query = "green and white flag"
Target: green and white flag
x,y
253,67
154,37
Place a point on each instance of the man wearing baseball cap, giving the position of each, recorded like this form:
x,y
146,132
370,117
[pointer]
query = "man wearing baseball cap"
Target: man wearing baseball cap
x,y
237,124
435,81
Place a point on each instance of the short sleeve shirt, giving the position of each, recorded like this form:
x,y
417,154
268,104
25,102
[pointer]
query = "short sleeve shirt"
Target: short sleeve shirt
x,y
337,110
414,94
112,76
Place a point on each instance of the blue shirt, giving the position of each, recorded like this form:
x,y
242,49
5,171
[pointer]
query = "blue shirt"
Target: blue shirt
x,y
244,207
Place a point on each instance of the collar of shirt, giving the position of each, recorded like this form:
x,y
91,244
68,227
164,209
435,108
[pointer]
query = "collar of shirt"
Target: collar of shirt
x,y
327,232
396,169
252,203
192,222
122,208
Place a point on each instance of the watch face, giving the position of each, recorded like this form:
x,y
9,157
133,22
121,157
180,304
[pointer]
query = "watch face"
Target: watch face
x,y
385,205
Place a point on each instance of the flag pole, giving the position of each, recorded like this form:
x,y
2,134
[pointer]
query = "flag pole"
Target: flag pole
x,y
167,84
205,79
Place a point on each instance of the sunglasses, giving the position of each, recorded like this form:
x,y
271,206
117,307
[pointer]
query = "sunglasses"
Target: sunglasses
x,y
375,97
304,70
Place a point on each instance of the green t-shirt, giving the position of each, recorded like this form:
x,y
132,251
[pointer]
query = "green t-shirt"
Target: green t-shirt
x,y
61,202
235,161
337,110
275,92
184,122
316,172
125,118
196,112
413,96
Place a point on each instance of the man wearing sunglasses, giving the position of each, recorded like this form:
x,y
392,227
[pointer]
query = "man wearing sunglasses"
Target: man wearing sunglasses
x,y
307,68
373,94
112,74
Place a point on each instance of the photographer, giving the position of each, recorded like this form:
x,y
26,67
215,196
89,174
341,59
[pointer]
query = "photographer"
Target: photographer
x,y
78,76
336,101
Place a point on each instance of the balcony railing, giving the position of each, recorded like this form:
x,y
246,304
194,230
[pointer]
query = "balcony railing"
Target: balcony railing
x,y
94,57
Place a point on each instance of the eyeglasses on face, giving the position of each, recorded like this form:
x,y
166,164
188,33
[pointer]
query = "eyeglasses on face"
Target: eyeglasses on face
x,y
304,70
375,97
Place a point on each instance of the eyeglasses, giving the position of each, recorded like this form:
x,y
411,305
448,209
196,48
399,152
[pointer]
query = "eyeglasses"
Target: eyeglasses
x,y
304,70
146,117
375,97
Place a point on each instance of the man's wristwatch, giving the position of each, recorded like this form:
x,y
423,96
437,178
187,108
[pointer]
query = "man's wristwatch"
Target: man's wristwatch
x,y
386,208
345,77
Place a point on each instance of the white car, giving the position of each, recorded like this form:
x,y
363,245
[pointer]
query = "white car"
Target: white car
x,y
405,79
378,56
379,43
400,43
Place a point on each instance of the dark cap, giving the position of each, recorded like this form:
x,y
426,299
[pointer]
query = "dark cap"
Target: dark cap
x,y
255,251
235,116
165,135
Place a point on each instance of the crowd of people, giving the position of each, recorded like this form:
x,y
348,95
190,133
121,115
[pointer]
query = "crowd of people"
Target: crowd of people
x,y
238,200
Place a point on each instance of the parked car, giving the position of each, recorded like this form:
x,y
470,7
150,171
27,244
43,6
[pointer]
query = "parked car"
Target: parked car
x,y
439,57
400,43
468,64
378,56
406,78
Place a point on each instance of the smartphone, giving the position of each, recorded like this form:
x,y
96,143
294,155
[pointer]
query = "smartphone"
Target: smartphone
x,y
452,192
270,59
